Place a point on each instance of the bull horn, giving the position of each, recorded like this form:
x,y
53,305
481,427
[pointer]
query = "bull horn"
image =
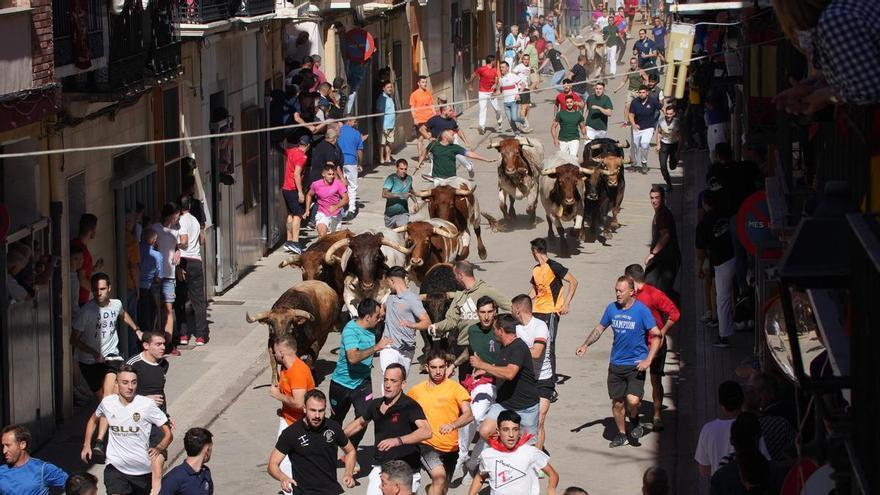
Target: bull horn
x,y
292,260
548,171
444,233
586,171
464,192
262,315
495,143
596,146
523,141
623,146
395,246
330,256
423,194
423,297
303,314
400,229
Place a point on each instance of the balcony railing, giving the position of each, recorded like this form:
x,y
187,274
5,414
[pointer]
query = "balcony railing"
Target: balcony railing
x,y
248,8
69,48
203,11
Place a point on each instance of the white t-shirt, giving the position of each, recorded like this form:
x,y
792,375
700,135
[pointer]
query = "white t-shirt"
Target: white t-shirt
x,y
522,71
167,242
714,444
190,227
670,132
537,331
602,23
97,329
510,85
513,473
129,433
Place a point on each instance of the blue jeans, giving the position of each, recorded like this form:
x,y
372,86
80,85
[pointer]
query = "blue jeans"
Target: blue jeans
x,y
528,417
512,109
574,23
557,78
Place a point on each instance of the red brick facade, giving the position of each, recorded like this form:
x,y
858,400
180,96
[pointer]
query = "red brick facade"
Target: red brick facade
x,y
43,49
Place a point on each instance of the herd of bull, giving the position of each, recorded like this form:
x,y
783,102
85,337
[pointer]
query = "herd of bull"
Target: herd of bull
x,y
343,268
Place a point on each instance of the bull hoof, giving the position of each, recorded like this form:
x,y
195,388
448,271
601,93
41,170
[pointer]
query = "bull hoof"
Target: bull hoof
x,y
614,225
481,252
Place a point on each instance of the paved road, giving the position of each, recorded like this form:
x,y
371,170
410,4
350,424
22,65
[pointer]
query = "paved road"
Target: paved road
x,y
579,424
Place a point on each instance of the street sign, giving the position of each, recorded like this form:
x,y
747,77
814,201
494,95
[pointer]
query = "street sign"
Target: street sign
x,y
753,225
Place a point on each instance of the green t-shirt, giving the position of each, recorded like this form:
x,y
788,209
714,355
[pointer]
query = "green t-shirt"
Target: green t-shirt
x,y
635,81
396,185
609,32
444,158
569,123
596,119
484,344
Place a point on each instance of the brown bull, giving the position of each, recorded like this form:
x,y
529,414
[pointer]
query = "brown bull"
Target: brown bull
x,y
518,174
430,243
309,310
312,263
460,208
562,195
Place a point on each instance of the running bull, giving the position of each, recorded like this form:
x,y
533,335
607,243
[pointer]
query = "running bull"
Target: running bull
x,y
562,195
458,206
430,243
604,190
518,173
312,263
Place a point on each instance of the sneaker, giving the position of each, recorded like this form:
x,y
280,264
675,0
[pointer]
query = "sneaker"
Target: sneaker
x,y
740,326
722,343
481,131
349,216
98,454
657,424
713,323
184,340
173,352
200,341
500,124
619,441
292,247
637,432
526,130
644,169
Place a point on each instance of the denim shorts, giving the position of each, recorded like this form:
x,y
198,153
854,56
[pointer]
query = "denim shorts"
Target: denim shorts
x,y
168,289
528,417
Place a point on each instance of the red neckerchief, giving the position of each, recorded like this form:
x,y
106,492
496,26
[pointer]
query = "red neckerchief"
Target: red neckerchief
x,y
497,445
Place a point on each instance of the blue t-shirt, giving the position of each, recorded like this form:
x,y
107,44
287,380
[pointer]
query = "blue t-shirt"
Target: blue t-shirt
x,y
396,185
645,113
630,329
349,143
510,40
644,48
34,478
549,33
353,337
183,480
385,104
150,267
659,37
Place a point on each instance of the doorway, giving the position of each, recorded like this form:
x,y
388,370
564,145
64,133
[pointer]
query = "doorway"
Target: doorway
x,y
223,180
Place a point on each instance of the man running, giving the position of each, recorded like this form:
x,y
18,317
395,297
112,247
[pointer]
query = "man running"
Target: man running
x,y
351,144
524,70
296,158
404,316
421,103
598,108
447,406
668,136
510,464
151,367
534,333
350,384
664,311
630,356
446,156
481,341
396,190
664,257
331,196
21,474
510,86
642,116
565,92
445,120
294,381
635,78
568,128
312,443
400,426
192,476
130,467
487,76
557,62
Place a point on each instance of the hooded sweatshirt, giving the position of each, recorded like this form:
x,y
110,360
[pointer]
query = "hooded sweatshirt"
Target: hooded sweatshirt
x,y
462,313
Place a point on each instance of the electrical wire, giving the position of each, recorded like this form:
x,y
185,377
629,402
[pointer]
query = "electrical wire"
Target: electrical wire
x,y
218,135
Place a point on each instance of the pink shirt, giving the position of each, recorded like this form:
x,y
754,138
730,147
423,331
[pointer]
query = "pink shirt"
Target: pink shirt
x,y
328,195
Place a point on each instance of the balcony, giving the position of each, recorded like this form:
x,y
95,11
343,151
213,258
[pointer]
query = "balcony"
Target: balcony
x,y
251,8
79,46
203,11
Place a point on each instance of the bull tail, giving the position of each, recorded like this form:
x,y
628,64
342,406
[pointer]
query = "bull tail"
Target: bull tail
x,y
494,224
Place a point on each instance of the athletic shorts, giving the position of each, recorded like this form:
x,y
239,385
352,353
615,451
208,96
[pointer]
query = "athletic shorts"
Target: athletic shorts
x,y
432,458
168,293
294,207
546,388
386,137
94,374
332,223
525,98
658,365
117,482
625,380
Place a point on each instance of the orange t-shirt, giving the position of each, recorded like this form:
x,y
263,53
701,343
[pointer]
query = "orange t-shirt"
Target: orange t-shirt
x,y
298,377
422,103
442,405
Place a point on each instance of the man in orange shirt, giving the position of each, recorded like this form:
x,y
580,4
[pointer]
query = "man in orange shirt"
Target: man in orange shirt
x,y
447,405
293,383
421,104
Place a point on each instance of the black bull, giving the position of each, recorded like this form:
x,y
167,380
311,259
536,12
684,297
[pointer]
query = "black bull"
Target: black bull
x,y
603,191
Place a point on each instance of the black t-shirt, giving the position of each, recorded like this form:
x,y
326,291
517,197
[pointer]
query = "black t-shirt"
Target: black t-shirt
x,y
399,420
555,59
151,377
313,456
732,183
519,393
713,234
437,124
322,153
663,219
578,79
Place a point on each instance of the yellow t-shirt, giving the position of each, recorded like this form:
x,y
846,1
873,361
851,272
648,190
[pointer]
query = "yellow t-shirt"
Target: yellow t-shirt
x,y
441,404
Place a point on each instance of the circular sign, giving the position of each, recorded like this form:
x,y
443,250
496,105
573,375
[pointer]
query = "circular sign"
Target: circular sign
x,y
4,222
753,225
359,45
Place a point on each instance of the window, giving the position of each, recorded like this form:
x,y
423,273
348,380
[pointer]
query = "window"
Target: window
x,y
250,157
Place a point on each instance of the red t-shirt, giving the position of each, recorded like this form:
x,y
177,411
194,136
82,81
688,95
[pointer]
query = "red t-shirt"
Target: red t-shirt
x,y
560,98
540,46
662,308
487,77
293,165
631,6
87,266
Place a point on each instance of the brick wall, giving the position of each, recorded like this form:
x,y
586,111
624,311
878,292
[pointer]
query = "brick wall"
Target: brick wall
x,y
43,49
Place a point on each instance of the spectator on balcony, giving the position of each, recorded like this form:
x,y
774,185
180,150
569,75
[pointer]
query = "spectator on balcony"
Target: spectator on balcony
x,y
840,38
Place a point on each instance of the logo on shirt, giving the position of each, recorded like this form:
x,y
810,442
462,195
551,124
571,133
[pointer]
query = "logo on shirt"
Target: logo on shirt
x,y
136,417
304,440
468,310
329,436
506,473
395,417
